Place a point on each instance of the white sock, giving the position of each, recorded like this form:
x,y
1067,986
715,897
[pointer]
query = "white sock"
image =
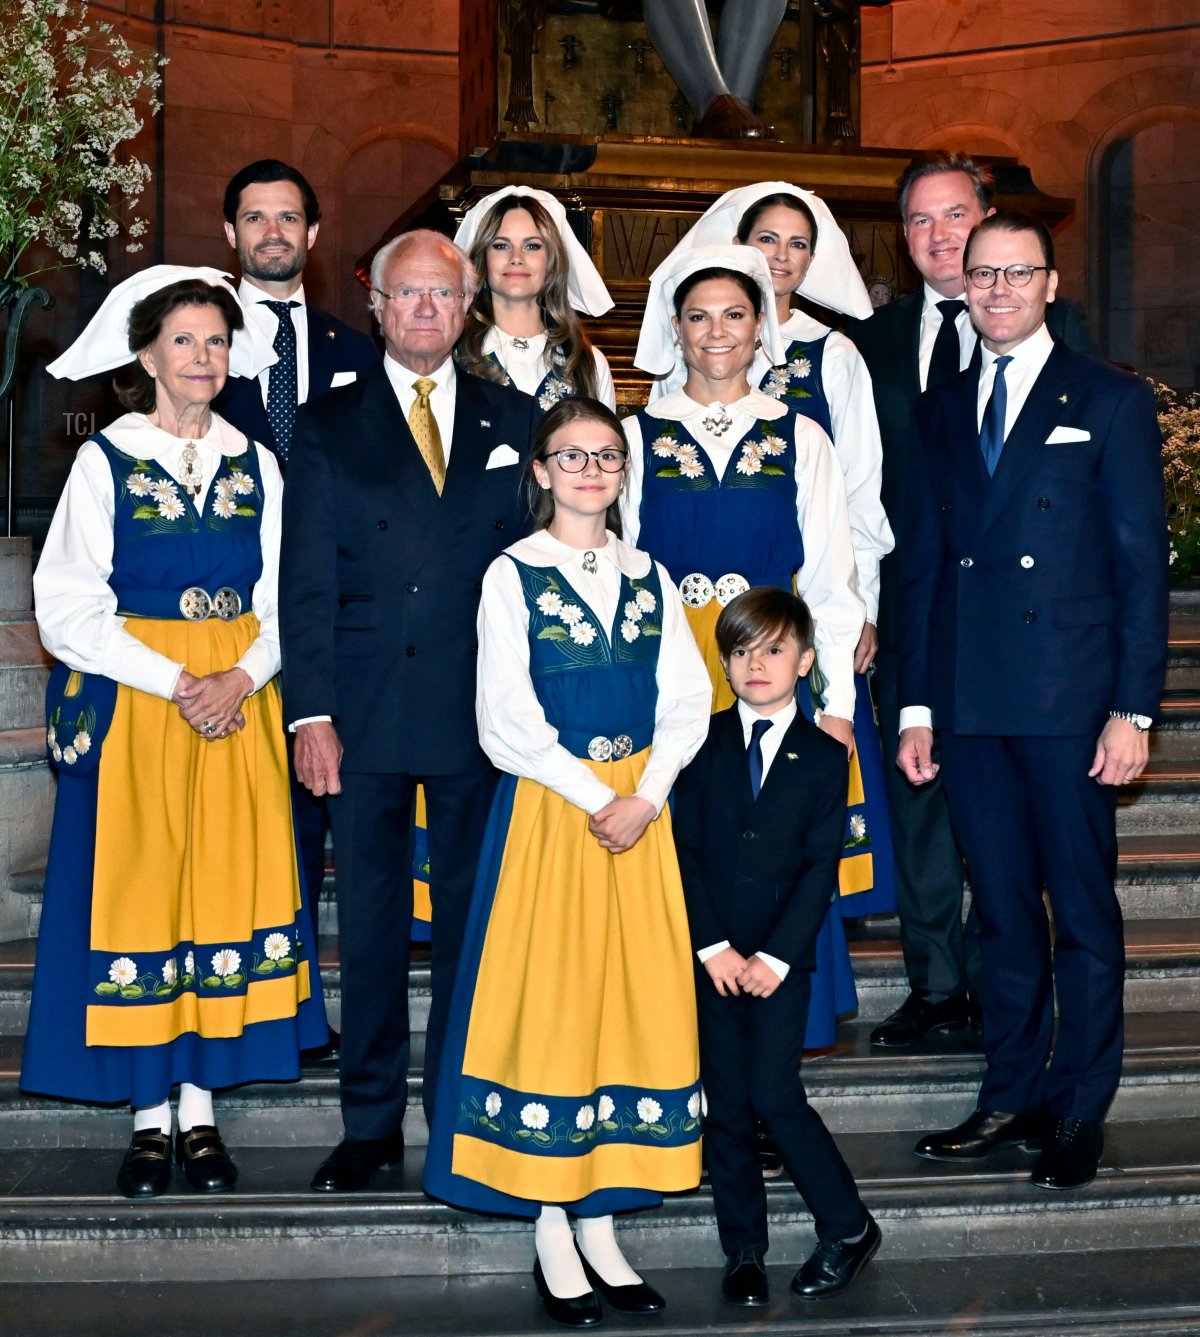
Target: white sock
x,y
555,1244
598,1242
157,1117
195,1107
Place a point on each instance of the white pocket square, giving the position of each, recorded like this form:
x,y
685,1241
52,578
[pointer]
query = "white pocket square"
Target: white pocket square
x,y
502,456
1061,434
343,378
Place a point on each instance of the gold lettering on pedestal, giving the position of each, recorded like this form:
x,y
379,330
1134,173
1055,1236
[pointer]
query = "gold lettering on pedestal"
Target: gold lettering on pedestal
x,y
636,241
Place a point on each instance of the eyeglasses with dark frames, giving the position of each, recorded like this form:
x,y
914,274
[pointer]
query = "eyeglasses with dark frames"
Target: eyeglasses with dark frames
x,y
1016,276
571,460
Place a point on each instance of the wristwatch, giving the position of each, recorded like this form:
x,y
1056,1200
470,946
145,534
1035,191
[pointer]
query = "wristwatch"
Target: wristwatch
x,y
1141,723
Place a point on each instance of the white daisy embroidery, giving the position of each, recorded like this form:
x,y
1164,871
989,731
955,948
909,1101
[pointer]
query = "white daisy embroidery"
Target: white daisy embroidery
x,y
633,611
630,630
691,469
858,826
535,1116
123,971
772,445
800,367
242,483
189,964
646,601
139,484
170,971
70,756
570,614
277,946
226,961
664,446
550,603
583,633
693,1105
170,508
224,506
493,1104
83,742
605,1107
585,1118
162,489
649,1111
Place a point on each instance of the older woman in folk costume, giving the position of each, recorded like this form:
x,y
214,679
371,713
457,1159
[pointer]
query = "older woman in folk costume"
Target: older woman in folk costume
x,y
731,488
174,945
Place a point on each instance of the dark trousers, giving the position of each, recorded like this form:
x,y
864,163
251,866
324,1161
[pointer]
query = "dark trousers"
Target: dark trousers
x,y
371,829
1027,817
750,1050
940,955
310,817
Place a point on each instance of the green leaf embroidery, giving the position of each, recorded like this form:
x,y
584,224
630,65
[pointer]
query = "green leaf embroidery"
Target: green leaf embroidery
x,y
553,634
145,512
104,987
667,471
773,469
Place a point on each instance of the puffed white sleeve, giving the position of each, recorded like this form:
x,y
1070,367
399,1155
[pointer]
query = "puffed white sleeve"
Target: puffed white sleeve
x,y
631,493
826,581
76,608
684,700
606,391
513,729
260,659
847,384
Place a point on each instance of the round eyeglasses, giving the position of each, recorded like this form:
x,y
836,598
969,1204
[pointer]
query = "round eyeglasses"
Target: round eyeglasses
x,y
1016,276
572,461
405,296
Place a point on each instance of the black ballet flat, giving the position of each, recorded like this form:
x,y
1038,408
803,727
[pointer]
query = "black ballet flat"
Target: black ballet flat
x,y
146,1170
205,1161
579,1311
638,1298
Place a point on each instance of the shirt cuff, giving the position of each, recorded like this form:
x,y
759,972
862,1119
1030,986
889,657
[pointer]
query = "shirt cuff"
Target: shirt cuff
x,y
915,717
707,953
259,664
310,719
781,968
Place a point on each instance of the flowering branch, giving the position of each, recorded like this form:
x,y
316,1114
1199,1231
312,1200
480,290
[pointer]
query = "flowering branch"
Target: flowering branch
x,y
1179,423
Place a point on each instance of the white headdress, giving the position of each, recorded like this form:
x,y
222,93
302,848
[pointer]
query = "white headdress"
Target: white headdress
x,y
656,351
585,288
832,280
104,344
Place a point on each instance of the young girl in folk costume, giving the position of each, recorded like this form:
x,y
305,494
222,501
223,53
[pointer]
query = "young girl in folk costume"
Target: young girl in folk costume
x,y
522,328
569,1081
734,488
823,376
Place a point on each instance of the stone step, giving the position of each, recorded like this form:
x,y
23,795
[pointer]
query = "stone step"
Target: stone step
x,y
59,1206
1166,797
856,1089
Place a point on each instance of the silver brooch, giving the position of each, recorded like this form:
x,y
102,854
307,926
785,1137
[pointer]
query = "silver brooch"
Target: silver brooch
x,y
589,562
718,421
191,476
520,343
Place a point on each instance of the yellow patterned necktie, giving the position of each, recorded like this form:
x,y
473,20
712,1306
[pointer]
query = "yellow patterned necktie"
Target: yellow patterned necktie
x,y
424,428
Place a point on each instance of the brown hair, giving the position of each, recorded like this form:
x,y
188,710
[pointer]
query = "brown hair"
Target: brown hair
x,y
784,199
744,281
579,409
763,613
570,348
938,161
1013,220
133,383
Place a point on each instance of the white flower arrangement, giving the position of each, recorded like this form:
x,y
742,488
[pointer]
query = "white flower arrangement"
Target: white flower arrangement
x,y
170,971
648,1110
750,461
139,484
535,1116
83,742
685,455
226,962
493,1104
71,94
605,1108
277,946
123,971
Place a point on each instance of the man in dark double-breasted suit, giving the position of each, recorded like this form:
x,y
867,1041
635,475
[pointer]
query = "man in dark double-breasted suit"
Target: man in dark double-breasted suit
x,y
1033,622
402,489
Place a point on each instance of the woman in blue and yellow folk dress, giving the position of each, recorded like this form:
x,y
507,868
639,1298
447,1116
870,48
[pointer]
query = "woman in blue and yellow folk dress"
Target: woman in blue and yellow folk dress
x,y
570,1080
174,947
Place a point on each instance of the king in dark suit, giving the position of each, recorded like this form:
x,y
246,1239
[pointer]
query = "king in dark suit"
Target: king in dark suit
x,y
403,487
1033,616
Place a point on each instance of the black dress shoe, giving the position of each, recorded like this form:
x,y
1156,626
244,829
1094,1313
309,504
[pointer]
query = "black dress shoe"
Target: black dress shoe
x,y
576,1311
1072,1158
328,1050
637,1298
349,1166
205,1161
986,1131
770,1158
918,1017
745,1279
146,1170
834,1265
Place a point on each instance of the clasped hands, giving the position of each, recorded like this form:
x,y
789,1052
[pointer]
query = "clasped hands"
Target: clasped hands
x,y
212,704
733,973
621,823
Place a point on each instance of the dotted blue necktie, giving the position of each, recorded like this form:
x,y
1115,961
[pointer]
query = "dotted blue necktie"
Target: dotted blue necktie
x,y
754,754
282,383
991,433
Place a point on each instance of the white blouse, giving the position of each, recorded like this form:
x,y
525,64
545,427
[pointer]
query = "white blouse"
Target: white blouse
x,y
513,729
826,581
77,610
847,385
528,367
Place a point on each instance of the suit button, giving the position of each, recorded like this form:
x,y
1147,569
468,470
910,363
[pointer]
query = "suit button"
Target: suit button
x,y
499,524
749,835
412,589
410,650
947,507
1027,561
474,649
967,562
1043,503
382,524
1029,616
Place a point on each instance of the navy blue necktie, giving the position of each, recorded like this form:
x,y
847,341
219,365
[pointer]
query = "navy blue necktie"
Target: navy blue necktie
x,y
282,384
991,433
943,361
754,754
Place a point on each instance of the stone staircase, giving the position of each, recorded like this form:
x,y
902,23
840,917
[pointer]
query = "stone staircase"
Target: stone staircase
x,y
965,1251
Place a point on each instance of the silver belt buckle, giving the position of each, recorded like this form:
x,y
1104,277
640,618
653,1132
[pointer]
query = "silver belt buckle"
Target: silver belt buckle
x,y
622,746
195,604
227,603
610,749
729,587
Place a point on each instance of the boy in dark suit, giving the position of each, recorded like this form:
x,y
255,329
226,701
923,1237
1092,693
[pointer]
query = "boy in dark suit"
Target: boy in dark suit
x,y
758,821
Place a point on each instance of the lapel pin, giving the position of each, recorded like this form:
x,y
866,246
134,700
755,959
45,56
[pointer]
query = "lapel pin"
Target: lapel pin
x,y
791,756
330,334
484,422
1062,399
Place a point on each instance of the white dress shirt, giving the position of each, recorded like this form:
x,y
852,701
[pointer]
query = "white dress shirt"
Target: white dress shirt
x,y
513,729
770,744
1028,359
931,322
77,610
267,322
826,581
528,367
441,397
847,385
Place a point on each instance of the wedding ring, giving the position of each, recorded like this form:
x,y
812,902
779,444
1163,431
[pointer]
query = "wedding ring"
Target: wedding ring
x,y
209,726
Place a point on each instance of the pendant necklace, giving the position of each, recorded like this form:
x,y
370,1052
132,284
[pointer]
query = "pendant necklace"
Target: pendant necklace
x,y
191,475
589,562
717,421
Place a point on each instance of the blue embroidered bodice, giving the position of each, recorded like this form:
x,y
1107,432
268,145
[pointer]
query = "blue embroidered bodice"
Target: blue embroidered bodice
x,y
550,391
799,381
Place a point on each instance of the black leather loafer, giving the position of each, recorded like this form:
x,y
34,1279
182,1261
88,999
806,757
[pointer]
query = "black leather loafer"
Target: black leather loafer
x,y
205,1161
146,1170
637,1298
917,1018
986,1131
576,1311
349,1166
1072,1158
834,1265
770,1158
745,1280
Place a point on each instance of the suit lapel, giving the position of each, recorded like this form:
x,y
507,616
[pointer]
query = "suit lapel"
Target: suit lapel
x,y
961,406
477,431
385,433
320,354
784,772
731,754
911,345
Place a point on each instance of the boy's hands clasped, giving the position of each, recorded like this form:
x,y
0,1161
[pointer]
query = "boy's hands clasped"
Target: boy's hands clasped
x,y
733,973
